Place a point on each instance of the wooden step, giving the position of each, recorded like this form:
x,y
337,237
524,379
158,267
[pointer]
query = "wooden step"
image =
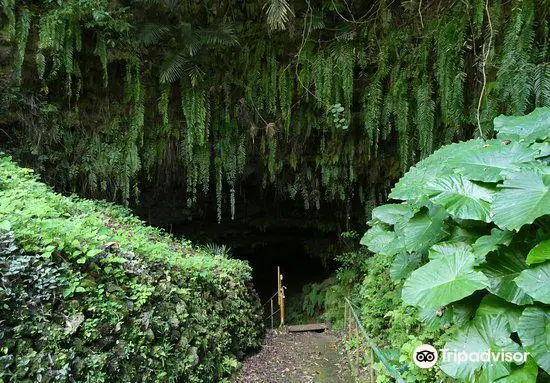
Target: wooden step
x,y
308,327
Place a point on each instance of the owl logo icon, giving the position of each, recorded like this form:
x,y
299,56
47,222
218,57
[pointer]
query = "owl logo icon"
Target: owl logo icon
x,y
425,356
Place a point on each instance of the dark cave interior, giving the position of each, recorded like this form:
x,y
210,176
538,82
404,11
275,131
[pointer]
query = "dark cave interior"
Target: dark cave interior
x,y
302,248
304,256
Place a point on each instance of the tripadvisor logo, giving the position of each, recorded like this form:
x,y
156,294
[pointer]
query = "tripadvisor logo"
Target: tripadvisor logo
x,y
426,356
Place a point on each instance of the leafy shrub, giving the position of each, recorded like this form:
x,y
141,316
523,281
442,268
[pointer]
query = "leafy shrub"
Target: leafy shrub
x,y
88,293
392,324
472,244
325,301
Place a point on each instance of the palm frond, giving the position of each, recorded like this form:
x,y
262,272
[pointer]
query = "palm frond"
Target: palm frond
x,y
189,39
174,68
151,33
223,34
278,14
195,74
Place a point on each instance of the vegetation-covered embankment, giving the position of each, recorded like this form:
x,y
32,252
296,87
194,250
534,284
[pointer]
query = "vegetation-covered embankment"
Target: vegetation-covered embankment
x,y
88,293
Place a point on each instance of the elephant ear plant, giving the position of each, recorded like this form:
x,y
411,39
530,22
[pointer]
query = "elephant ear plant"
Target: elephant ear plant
x,y
473,229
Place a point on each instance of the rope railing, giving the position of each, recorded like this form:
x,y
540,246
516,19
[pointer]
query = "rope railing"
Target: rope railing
x,y
374,350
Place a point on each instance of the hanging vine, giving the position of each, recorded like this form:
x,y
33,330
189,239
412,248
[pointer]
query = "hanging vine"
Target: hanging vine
x,y
317,107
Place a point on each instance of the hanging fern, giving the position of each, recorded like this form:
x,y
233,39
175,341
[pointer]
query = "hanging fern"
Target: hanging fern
x,y
101,52
219,189
193,104
40,64
424,117
513,75
450,41
163,108
285,99
317,107
21,33
9,29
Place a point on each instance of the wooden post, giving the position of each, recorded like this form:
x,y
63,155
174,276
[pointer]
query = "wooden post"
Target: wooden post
x,y
281,295
271,302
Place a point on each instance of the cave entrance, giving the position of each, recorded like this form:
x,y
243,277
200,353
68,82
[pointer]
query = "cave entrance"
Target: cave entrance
x,y
266,232
304,256
298,267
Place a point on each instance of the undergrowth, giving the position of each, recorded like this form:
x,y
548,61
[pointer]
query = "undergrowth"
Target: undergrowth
x,y
90,294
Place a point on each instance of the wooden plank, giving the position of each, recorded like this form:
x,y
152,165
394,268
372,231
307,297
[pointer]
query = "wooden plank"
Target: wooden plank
x,y
308,327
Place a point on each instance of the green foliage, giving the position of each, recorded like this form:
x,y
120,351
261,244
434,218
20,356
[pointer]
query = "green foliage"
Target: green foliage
x,y
475,224
90,294
533,331
539,253
393,325
482,334
443,280
323,106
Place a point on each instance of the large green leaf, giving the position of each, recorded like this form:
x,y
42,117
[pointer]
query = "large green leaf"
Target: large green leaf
x,y
436,319
461,233
447,248
483,333
502,268
533,331
542,148
443,280
382,240
458,313
425,229
536,282
529,128
392,213
526,373
524,197
539,253
486,163
412,186
460,197
403,265
488,243
493,305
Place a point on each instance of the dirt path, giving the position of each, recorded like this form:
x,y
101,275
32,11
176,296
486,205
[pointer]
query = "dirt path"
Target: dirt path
x,y
307,357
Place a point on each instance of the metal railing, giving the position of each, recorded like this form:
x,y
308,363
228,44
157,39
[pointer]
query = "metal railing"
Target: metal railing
x,y
352,328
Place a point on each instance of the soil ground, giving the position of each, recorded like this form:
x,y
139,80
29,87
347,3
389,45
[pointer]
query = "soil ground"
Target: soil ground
x,y
306,357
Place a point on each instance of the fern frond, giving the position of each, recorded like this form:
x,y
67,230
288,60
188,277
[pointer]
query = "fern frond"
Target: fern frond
x,y
8,6
101,52
22,33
